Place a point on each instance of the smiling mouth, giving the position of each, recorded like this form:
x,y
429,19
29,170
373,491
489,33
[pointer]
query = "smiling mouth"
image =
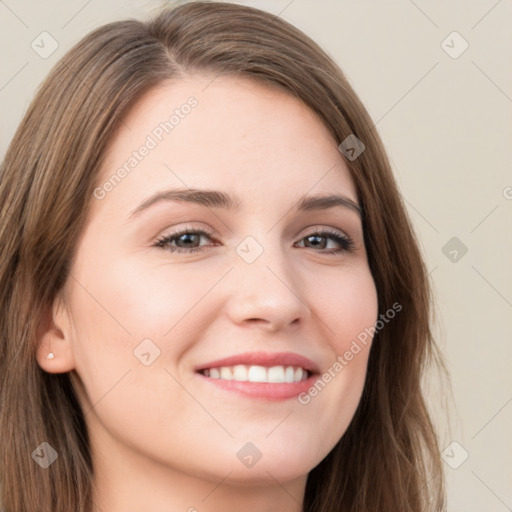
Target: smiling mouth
x,y
253,373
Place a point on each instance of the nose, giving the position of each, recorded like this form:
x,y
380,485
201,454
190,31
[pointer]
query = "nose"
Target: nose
x,y
267,293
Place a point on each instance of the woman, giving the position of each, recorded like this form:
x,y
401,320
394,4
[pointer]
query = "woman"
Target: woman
x,y
211,295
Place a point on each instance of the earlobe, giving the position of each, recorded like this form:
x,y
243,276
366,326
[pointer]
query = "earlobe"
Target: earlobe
x,y
54,350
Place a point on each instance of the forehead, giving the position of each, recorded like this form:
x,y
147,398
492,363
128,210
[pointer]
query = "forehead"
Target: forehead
x,y
227,132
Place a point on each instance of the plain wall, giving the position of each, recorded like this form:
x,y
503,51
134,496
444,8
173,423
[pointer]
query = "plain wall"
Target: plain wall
x,y
446,120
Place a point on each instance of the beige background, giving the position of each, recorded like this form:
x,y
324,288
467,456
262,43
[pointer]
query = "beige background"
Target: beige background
x,y
447,125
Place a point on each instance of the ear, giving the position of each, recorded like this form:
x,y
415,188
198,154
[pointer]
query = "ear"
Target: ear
x,y
55,337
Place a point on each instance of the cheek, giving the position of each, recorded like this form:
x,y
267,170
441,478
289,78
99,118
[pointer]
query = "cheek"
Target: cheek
x,y
347,304
117,307
140,300
121,313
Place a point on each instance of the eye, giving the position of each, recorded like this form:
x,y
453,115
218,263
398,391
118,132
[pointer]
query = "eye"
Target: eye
x,y
188,240
319,240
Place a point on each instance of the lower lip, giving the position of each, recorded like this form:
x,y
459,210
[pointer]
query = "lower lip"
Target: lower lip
x,y
264,390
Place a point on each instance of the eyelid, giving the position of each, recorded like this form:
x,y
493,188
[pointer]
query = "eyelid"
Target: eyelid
x,y
317,228
187,229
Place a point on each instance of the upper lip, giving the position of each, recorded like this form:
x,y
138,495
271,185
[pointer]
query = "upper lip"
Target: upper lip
x,y
267,359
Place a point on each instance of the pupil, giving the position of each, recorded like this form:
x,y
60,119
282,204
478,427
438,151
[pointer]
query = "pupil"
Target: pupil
x,y
187,238
316,238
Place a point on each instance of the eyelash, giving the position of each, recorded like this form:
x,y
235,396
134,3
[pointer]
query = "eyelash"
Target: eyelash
x,y
347,245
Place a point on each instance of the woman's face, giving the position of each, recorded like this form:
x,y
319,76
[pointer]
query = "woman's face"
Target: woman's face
x,y
162,290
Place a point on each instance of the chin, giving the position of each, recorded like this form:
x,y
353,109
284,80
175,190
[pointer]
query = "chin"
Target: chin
x,y
277,461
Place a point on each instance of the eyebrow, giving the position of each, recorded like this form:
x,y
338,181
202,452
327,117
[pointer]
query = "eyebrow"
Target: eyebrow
x,y
219,199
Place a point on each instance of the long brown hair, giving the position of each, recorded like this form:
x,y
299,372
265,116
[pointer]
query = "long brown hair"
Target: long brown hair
x,y
389,458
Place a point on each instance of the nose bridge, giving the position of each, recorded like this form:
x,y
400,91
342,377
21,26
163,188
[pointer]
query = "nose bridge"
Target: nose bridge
x,y
265,286
264,260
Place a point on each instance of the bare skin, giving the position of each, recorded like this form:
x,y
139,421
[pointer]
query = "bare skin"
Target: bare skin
x,y
164,437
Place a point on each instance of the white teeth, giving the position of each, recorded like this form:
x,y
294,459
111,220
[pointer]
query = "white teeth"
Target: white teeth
x,y
246,373
239,372
257,374
226,373
276,374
